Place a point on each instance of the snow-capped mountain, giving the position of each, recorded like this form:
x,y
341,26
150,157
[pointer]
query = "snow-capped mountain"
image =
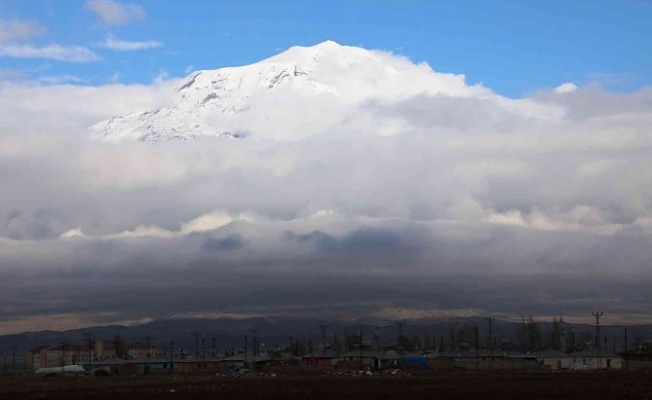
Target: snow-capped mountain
x,y
301,92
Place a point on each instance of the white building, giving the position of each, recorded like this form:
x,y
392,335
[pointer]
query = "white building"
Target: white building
x,y
592,359
554,360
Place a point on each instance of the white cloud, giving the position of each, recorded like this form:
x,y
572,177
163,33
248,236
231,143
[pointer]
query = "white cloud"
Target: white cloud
x,y
580,219
77,232
12,75
115,78
567,87
19,30
126,45
60,79
52,52
203,223
114,13
470,189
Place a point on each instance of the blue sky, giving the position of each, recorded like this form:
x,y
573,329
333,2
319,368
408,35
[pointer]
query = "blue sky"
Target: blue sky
x,y
513,47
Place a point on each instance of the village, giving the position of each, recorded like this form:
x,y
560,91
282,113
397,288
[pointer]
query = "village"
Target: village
x,y
321,361
118,357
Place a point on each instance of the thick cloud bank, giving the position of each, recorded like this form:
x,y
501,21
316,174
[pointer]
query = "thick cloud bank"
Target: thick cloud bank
x,y
460,201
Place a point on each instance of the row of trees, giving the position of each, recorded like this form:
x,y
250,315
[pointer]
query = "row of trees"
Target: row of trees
x,y
530,336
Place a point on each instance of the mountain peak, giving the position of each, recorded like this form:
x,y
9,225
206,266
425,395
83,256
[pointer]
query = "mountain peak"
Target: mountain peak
x,y
298,93
327,44
303,54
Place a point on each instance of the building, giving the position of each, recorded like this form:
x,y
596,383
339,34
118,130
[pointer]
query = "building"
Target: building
x,y
326,358
554,360
47,356
104,349
490,360
594,359
638,359
141,350
37,357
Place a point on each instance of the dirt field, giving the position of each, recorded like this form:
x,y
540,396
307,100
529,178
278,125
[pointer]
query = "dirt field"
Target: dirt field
x,y
584,385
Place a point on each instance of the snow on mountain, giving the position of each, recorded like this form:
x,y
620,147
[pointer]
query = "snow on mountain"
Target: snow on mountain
x,y
298,93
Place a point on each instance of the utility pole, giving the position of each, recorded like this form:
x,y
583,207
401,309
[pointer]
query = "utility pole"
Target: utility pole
x,y
246,341
254,331
203,351
400,324
376,340
197,335
626,352
361,360
171,356
441,343
89,340
149,351
214,354
597,315
477,348
254,345
90,350
490,322
63,352
323,338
